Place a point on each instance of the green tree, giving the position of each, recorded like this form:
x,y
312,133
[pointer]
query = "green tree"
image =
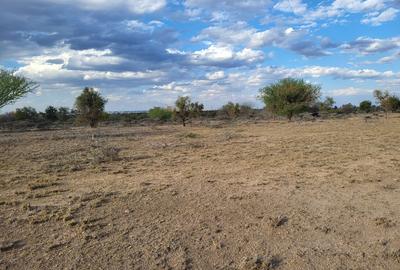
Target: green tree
x,y
26,113
196,109
366,106
347,108
90,106
63,114
388,102
13,87
289,96
161,114
327,104
51,113
182,109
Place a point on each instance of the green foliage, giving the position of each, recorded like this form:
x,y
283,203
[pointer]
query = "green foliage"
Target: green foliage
x,y
290,96
90,106
185,109
366,106
196,109
13,87
388,102
26,113
327,104
51,113
161,114
347,108
231,110
63,114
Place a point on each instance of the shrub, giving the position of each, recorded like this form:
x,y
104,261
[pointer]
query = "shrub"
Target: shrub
x,y
51,113
160,114
289,96
347,108
231,110
26,113
90,106
327,104
63,114
365,106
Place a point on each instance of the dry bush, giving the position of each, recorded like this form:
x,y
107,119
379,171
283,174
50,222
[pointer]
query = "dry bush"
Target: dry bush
x,y
101,153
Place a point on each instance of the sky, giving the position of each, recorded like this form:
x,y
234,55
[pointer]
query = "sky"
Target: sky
x,y
145,53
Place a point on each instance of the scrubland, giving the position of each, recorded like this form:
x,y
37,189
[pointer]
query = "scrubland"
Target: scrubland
x,y
266,195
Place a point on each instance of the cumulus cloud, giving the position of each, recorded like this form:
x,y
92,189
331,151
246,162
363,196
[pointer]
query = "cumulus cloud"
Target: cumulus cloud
x,y
288,38
379,18
366,45
295,6
348,91
221,55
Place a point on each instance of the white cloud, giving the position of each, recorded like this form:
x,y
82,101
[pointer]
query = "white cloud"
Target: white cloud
x,y
377,19
366,45
216,75
295,6
349,91
67,64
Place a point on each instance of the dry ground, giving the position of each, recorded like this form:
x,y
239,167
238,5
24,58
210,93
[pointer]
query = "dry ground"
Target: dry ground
x,y
314,195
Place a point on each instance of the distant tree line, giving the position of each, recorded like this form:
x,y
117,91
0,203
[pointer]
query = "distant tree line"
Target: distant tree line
x,y
288,97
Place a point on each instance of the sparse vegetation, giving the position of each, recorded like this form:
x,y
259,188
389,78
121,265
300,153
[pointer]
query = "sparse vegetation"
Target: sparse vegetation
x,y
231,110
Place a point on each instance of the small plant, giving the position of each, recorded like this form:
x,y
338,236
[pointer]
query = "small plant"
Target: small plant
x,y
102,153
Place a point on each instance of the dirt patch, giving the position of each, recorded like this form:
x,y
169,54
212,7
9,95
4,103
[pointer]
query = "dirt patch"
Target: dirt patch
x,y
267,195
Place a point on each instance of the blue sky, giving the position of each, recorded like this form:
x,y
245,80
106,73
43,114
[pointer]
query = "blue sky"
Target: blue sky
x,y
145,53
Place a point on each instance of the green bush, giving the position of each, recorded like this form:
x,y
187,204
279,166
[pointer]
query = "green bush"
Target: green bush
x,y
26,113
161,114
290,96
366,106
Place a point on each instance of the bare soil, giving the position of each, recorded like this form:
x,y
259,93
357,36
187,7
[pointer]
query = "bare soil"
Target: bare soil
x,y
270,195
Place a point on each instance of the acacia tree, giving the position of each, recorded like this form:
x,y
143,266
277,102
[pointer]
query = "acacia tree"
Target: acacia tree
x,y
90,106
13,87
185,109
289,96
388,102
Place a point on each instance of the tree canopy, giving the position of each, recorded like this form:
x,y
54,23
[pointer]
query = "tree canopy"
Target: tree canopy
x,y
289,96
13,87
90,106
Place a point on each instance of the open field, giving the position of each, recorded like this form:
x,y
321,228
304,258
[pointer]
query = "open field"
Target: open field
x,y
278,195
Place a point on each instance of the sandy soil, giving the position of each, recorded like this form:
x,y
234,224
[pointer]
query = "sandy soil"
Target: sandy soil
x,y
313,195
